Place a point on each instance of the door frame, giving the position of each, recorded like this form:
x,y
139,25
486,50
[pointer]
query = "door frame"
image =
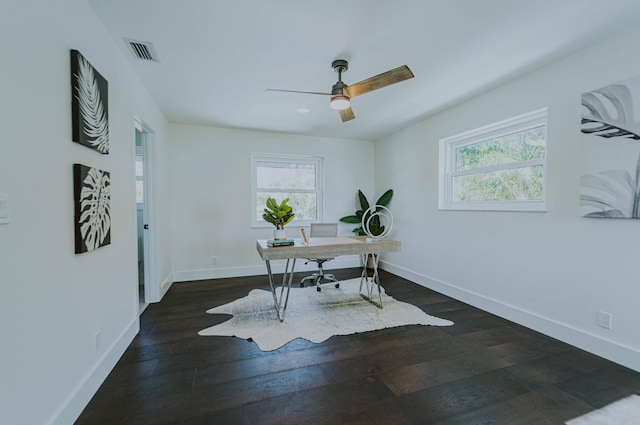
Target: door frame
x,y
150,248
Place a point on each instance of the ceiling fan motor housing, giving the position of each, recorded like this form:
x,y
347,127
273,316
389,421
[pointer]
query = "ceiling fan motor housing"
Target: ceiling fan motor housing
x,y
338,89
340,65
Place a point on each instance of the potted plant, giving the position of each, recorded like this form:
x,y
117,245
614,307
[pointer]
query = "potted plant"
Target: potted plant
x,y
279,215
375,227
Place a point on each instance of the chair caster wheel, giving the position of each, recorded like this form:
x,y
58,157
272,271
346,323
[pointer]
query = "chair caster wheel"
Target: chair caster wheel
x,y
318,289
337,285
302,285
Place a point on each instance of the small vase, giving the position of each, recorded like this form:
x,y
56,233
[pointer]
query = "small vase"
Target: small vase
x,y
279,234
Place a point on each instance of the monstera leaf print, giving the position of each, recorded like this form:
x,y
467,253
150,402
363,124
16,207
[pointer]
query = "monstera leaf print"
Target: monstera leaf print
x,y
90,107
93,208
608,113
614,193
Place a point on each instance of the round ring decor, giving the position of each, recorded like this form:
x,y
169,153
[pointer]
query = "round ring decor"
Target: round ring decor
x,y
385,217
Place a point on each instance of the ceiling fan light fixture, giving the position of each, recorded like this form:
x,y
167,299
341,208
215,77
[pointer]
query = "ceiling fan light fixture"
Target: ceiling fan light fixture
x,y
341,93
340,102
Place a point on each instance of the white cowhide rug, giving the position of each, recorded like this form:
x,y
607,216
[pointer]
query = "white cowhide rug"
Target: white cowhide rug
x,y
314,316
622,412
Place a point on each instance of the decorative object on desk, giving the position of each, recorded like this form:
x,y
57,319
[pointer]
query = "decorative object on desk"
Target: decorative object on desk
x,y
625,411
376,228
92,193
279,215
314,317
384,221
89,105
280,242
610,183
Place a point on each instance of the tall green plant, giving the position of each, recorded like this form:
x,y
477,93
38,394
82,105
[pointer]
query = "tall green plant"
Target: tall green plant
x,y
278,214
374,226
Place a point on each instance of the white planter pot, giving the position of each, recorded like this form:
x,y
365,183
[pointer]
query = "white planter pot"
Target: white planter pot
x,y
279,234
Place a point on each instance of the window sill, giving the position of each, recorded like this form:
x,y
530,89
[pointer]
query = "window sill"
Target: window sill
x,y
532,207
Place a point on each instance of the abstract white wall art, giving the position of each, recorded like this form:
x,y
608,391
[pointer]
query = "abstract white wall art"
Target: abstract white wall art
x,y
92,190
610,182
89,105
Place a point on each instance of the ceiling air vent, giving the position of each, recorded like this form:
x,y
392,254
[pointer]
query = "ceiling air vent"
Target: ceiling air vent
x,y
142,50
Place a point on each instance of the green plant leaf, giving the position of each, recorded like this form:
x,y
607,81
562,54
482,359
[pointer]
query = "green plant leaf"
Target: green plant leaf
x,y
288,220
278,214
364,204
385,198
271,204
352,219
268,219
374,224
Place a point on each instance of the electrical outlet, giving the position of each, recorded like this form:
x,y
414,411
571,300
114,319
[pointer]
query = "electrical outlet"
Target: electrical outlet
x,y
214,260
605,320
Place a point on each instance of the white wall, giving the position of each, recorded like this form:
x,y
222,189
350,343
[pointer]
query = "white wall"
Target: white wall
x,y
211,194
551,271
53,301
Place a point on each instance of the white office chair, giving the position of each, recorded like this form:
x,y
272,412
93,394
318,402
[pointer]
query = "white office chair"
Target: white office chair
x,y
321,230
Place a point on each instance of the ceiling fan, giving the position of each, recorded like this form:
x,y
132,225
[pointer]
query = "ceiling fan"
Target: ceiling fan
x,y
341,94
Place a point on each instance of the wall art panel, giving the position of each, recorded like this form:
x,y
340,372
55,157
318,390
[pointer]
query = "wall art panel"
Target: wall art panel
x,y
92,193
610,182
89,105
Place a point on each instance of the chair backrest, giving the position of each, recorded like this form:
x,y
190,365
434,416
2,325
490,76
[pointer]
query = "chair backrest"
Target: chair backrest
x,y
324,230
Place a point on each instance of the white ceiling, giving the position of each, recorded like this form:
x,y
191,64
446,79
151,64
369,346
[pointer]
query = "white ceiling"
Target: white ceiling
x,y
218,57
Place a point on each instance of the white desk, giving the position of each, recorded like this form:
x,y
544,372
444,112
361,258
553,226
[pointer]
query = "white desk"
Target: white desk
x,y
325,247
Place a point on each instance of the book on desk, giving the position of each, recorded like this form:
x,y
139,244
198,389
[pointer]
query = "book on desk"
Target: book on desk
x,y
272,243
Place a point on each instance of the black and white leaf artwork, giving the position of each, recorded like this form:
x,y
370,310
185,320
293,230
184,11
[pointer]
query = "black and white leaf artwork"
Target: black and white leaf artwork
x,y
611,141
92,188
89,105
608,113
612,193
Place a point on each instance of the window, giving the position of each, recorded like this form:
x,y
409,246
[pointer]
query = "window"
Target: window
x,y
500,167
298,178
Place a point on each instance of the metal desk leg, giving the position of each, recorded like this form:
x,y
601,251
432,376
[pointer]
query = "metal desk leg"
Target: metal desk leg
x,y
370,282
287,278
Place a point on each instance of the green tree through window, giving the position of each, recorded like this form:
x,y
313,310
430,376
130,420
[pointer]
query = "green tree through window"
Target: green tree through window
x,y
293,177
500,166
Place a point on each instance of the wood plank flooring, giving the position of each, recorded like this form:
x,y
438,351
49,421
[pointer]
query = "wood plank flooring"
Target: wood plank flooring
x,y
481,370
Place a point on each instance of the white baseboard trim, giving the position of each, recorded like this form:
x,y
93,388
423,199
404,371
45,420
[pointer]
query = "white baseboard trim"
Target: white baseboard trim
x,y
70,410
166,285
253,270
611,350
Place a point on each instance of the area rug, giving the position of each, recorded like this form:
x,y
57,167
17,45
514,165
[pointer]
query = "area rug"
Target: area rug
x,y
314,316
622,412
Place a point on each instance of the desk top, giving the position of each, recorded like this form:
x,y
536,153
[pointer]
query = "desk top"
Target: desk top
x,y
326,247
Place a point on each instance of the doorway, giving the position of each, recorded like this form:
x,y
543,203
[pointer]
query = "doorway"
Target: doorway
x,y
148,289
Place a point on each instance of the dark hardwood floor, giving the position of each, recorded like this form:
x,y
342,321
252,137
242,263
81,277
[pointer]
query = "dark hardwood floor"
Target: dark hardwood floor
x,y
481,370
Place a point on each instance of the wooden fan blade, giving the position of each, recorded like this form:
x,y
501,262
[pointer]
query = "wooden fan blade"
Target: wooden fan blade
x,y
347,114
296,91
379,81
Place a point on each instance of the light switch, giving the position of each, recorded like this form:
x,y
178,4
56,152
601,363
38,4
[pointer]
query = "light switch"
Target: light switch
x,y
4,208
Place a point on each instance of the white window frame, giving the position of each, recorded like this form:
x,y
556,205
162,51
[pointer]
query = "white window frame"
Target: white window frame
x,y
447,161
298,159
